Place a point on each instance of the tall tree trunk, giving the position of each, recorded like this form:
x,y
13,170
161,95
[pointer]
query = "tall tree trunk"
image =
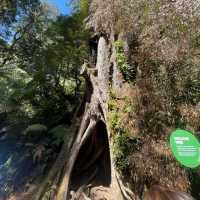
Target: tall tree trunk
x,y
96,109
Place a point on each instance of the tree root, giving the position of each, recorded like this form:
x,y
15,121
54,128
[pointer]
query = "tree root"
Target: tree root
x,y
126,192
81,191
85,197
80,195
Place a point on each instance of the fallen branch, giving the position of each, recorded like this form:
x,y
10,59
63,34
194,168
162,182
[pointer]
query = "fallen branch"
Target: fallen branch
x,y
64,187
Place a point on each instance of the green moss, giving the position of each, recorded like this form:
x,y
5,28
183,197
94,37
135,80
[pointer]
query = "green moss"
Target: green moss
x,y
120,151
123,145
112,94
127,70
129,108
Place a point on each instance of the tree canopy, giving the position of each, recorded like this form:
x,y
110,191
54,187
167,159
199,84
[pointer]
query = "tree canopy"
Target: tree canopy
x,y
41,53
40,57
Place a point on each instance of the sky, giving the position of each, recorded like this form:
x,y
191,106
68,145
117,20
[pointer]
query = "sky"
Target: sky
x,y
62,5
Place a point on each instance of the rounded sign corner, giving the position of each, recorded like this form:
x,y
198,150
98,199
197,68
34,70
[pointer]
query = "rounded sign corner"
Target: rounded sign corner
x,y
185,147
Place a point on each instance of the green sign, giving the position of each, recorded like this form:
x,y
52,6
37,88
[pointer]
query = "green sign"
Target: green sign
x,y
186,148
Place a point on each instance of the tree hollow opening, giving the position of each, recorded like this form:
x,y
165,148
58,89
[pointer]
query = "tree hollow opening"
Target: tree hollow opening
x,y
93,164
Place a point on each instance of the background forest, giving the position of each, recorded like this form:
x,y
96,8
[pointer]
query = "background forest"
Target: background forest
x,y
40,87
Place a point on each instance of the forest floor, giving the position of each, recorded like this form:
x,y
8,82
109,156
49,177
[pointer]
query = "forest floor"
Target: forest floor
x,y
24,164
